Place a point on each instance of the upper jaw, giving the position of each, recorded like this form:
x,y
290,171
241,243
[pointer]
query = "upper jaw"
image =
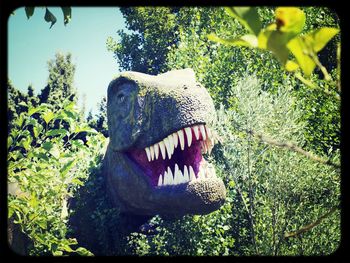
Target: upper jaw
x,y
181,138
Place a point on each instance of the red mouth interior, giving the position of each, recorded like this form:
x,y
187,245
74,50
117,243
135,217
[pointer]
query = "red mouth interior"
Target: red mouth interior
x,y
190,156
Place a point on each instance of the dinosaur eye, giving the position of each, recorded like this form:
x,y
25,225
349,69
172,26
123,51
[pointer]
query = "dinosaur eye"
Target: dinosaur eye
x,y
120,98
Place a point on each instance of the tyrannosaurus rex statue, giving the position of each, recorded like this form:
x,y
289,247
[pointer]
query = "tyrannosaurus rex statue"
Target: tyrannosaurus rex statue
x,y
159,127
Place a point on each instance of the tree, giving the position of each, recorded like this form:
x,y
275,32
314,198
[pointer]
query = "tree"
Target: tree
x,y
258,167
146,48
60,81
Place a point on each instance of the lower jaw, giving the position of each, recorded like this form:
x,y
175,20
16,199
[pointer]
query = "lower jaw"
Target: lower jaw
x,y
202,196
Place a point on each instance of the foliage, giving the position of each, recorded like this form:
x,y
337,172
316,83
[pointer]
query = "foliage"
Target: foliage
x,y
263,183
272,191
276,184
143,50
49,17
53,155
282,37
60,81
44,172
99,121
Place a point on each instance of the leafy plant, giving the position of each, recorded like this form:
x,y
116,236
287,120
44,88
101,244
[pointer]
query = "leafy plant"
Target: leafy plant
x,y
46,165
49,17
282,37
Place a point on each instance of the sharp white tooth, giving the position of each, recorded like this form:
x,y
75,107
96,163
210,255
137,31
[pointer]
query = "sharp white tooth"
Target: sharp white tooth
x,y
180,133
151,149
202,129
192,175
160,180
208,131
186,176
210,145
170,176
162,149
171,144
175,139
166,178
203,147
156,151
148,153
188,135
177,179
167,147
196,131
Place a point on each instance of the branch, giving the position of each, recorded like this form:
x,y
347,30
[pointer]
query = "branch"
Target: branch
x,y
294,148
308,227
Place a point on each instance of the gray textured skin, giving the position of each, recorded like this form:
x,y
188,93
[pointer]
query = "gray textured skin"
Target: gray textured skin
x,y
142,110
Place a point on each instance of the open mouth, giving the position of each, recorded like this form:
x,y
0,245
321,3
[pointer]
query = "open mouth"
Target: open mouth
x,y
177,159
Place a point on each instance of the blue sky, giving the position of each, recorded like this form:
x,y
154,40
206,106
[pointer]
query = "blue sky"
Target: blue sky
x,y
31,43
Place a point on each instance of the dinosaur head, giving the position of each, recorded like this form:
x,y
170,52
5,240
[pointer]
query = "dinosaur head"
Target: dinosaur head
x,y
159,128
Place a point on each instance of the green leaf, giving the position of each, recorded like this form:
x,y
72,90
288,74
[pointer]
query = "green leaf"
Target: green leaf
x,y
83,251
276,42
22,103
246,40
9,141
57,132
57,253
55,151
20,120
48,116
26,143
10,212
42,224
299,49
31,111
67,14
36,132
226,227
248,16
47,146
42,156
29,11
290,19
49,17
33,202
64,170
76,181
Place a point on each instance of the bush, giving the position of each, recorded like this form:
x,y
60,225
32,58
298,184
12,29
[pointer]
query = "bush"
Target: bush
x,y
46,165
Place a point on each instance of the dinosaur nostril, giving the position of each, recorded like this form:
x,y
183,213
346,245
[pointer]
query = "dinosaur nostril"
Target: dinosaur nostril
x,y
185,87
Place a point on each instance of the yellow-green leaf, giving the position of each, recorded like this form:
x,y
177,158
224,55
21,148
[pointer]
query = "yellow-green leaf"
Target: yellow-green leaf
x,y
290,19
299,50
247,16
321,37
48,116
291,66
9,141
